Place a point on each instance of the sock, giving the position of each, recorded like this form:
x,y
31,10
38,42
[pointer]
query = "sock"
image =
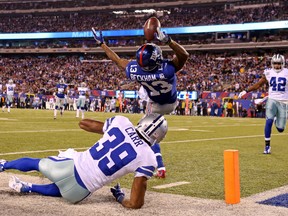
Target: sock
x,y
157,152
55,112
23,164
82,112
46,190
77,113
268,128
267,142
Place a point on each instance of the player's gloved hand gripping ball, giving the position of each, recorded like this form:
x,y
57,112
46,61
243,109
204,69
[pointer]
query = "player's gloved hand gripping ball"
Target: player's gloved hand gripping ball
x,y
118,193
162,36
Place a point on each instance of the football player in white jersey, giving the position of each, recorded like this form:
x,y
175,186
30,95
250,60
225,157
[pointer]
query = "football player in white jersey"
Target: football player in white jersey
x,y
277,103
122,149
83,92
10,90
1,95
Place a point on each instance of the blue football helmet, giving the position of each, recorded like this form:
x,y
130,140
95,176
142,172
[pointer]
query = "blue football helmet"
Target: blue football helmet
x,y
149,56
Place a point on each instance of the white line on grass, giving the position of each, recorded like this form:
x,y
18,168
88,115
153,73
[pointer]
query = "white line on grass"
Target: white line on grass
x,y
40,131
178,141
170,185
221,138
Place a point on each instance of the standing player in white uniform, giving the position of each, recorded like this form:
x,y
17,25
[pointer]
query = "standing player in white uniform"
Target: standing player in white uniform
x,y
1,95
60,94
277,103
123,149
83,93
10,90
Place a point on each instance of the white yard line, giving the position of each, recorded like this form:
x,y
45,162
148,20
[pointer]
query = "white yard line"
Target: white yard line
x,y
178,141
40,131
170,185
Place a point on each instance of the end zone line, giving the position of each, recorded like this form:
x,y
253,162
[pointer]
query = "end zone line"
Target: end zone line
x,y
170,185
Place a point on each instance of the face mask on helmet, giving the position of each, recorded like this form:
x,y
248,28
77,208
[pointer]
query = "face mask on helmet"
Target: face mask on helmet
x,y
149,56
61,81
83,84
278,62
152,128
10,81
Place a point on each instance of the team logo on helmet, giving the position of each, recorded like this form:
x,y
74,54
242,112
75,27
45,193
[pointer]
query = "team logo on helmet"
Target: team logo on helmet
x,y
149,56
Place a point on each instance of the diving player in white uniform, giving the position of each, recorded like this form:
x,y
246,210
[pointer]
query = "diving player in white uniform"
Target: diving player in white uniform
x,y
83,93
75,175
277,103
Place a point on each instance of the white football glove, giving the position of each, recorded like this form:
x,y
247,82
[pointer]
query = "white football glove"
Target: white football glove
x,y
98,37
162,36
241,94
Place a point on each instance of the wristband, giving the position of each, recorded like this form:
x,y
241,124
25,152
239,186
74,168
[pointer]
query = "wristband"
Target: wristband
x,y
169,41
120,198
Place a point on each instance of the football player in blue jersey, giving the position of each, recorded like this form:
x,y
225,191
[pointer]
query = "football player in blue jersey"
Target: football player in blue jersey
x,y
156,75
122,149
60,94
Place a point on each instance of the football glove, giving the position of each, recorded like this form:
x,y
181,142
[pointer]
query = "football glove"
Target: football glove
x,y
118,193
162,36
241,94
98,37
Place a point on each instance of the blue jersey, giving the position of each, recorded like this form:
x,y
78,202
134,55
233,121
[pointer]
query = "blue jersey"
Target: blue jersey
x,y
159,84
61,88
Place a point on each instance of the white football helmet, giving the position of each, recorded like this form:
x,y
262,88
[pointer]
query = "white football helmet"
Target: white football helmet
x,y
61,81
10,81
278,59
83,84
152,128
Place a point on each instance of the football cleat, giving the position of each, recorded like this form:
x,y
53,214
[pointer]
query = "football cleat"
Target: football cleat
x,y
19,186
160,174
267,149
2,162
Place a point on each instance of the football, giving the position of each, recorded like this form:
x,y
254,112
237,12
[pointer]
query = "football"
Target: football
x,y
150,27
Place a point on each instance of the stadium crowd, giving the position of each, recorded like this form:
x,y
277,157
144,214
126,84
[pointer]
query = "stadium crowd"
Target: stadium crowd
x,y
105,20
202,72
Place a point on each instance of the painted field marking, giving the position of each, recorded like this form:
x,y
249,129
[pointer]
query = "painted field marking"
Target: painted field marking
x,y
40,131
178,141
170,185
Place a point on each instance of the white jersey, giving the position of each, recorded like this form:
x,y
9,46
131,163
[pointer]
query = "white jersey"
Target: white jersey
x,y
82,92
10,89
120,151
278,84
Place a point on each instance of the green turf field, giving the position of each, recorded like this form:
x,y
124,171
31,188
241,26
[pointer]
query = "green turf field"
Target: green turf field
x,y
192,150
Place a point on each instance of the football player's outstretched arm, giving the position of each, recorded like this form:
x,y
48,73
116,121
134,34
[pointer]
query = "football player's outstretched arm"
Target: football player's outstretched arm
x,y
91,126
257,85
121,63
138,190
181,55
